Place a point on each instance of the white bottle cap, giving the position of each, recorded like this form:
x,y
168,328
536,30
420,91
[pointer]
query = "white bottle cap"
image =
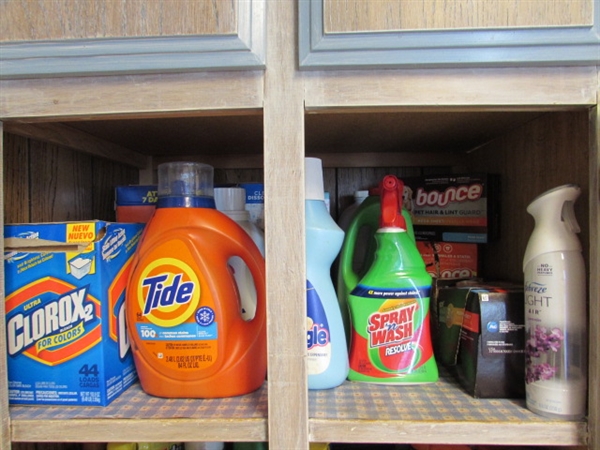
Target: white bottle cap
x,y
359,196
313,179
230,198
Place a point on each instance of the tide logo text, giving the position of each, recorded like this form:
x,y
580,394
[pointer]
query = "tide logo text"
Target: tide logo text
x,y
161,295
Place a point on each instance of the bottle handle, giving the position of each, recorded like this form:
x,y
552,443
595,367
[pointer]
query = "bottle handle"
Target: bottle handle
x,y
568,217
349,277
247,250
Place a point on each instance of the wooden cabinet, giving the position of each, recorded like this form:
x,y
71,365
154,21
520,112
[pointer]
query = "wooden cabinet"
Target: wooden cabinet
x,y
60,38
536,127
436,33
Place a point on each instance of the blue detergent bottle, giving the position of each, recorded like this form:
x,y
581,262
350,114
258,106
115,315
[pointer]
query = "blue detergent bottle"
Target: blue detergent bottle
x,y
327,361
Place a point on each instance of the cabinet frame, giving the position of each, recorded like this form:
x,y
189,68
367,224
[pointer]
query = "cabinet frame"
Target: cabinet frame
x,y
289,424
285,95
478,47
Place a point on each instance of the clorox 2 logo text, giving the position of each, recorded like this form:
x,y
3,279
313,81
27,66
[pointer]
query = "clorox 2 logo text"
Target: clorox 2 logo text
x,y
55,323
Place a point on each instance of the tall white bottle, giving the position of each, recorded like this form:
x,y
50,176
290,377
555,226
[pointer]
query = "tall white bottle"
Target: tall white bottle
x,y
325,337
231,201
555,308
349,213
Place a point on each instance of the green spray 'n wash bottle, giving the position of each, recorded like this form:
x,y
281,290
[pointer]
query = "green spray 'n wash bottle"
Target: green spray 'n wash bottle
x,y
389,308
358,249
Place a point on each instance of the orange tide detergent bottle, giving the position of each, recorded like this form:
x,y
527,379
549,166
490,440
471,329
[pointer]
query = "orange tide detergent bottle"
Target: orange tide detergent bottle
x,y
188,336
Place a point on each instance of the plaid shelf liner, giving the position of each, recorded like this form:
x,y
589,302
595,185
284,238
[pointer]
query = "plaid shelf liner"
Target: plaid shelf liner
x,y
444,400
135,404
440,401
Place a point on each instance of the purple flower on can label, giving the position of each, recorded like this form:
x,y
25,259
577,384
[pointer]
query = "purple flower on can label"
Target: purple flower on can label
x,y
541,343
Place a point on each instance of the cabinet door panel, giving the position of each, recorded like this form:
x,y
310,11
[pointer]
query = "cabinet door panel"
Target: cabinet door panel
x,y
350,16
62,37
33,20
440,33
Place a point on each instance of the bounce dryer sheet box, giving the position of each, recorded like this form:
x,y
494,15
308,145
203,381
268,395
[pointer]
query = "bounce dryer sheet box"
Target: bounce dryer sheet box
x,y
491,359
65,321
454,208
449,260
135,203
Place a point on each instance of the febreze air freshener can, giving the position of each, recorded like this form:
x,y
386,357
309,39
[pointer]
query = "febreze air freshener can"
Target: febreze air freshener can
x,y
188,334
389,308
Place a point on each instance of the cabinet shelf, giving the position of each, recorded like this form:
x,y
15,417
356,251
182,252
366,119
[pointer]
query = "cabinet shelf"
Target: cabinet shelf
x,y
353,412
134,413
439,412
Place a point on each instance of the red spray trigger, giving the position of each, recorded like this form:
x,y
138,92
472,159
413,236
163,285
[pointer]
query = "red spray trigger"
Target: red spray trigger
x,y
392,190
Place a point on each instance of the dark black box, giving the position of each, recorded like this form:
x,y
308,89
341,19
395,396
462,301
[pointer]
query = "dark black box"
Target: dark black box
x,y
491,354
479,335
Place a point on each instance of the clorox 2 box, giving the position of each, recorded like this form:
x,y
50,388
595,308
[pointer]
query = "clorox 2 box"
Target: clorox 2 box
x,y
65,283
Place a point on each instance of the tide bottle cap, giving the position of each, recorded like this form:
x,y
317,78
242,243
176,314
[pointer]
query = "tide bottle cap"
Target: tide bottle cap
x,y
185,184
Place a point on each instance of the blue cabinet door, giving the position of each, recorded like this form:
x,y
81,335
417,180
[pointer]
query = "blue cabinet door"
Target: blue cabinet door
x,y
493,46
175,51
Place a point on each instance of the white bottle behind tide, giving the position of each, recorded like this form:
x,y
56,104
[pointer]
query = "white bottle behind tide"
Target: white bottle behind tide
x,y
555,308
349,213
326,340
231,201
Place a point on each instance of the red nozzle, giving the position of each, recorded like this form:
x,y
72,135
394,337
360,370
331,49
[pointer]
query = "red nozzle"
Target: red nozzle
x,y
392,190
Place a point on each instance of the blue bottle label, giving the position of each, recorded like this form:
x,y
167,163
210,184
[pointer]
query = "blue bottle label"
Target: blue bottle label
x,y
318,338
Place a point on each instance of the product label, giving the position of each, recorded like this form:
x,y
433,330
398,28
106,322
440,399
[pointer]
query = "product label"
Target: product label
x,y
449,260
544,345
51,321
318,338
391,331
171,321
81,232
555,350
451,194
453,208
500,337
255,199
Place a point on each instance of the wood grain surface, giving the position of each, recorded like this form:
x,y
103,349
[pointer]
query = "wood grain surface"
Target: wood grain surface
x,y
347,16
32,20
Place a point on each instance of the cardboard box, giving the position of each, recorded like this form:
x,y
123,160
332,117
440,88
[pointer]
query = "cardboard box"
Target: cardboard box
x,y
255,203
482,333
135,203
454,208
449,260
450,302
65,320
